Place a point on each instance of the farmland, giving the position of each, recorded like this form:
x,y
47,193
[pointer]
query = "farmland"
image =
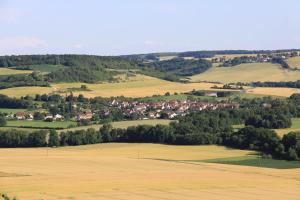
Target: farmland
x,y
294,62
247,73
124,124
8,71
139,86
283,92
138,171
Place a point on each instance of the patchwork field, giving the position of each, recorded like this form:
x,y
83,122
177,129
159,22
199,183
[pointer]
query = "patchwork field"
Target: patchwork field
x,y
7,71
140,171
139,86
247,73
294,62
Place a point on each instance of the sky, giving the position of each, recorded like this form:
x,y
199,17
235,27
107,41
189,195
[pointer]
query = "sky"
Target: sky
x,y
119,27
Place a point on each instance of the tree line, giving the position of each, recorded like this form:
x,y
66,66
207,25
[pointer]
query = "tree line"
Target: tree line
x,y
193,129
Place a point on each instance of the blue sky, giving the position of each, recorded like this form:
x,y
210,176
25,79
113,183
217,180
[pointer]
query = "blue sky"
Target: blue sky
x,y
115,27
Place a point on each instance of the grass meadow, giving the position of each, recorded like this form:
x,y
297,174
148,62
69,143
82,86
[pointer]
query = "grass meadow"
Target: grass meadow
x,y
40,124
123,124
9,71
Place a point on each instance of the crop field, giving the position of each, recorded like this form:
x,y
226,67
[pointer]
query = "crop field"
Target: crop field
x,y
294,62
40,124
272,91
247,73
8,71
139,86
124,124
139,171
295,127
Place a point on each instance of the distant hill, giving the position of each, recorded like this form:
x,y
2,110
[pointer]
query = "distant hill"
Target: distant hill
x,y
247,73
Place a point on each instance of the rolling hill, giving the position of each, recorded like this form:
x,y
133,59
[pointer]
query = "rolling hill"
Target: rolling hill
x,y
247,73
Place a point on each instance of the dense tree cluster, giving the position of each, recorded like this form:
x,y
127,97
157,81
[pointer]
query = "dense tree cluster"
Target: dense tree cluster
x,y
183,67
289,84
266,141
33,79
269,120
237,61
280,61
7,102
16,138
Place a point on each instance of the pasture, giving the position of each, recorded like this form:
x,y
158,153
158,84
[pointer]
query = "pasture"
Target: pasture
x,y
124,124
43,68
138,86
9,71
40,124
140,171
11,110
247,73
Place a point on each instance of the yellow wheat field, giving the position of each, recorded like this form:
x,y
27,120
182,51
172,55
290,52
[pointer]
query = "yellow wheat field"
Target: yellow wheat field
x,y
135,172
139,86
7,71
247,73
284,92
294,62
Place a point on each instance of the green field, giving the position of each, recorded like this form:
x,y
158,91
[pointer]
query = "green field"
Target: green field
x,y
11,110
124,124
247,73
40,124
256,161
9,71
43,68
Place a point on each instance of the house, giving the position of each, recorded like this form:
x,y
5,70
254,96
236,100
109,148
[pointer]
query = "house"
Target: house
x,y
58,117
86,115
48,117
20,116
211,94
30,116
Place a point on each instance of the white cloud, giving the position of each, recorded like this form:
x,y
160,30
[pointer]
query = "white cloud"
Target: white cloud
x,y
8,15
22,42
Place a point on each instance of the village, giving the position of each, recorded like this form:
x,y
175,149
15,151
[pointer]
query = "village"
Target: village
x,y
130,110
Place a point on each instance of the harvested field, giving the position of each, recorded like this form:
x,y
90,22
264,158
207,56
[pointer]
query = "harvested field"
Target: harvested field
x,y
134,171
247,73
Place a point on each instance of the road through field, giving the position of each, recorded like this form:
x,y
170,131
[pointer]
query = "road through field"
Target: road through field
x,y
139,171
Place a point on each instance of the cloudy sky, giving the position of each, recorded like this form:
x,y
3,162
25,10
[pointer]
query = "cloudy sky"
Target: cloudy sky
x,y
114,27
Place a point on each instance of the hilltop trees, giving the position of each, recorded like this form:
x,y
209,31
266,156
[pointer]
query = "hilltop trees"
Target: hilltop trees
x,y
269,121
53,139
